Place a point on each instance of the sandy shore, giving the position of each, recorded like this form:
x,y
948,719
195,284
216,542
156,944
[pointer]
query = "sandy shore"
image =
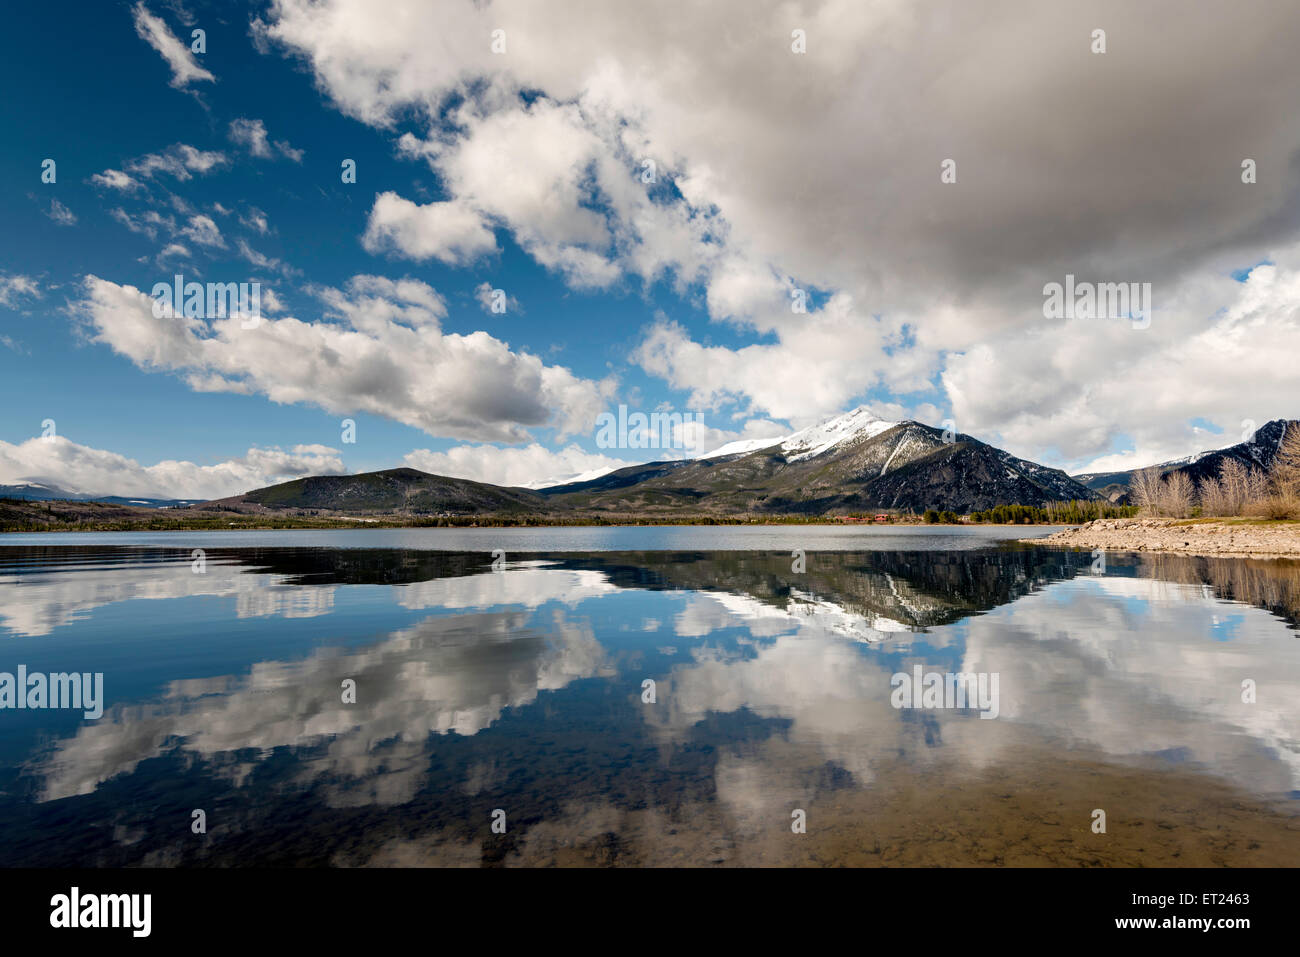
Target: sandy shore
x,y
1254,540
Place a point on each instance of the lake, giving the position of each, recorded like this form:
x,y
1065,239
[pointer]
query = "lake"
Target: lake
x,y
574,539
646,696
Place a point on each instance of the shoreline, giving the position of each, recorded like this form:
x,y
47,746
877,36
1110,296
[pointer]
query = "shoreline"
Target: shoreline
x,y
1227,538
24,518
361,524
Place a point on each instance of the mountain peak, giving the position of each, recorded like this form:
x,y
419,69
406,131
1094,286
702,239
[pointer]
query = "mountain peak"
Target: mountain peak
x,y
813,440
836,430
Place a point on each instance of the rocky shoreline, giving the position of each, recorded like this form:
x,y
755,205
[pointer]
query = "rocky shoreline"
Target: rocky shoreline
x,y
1244,539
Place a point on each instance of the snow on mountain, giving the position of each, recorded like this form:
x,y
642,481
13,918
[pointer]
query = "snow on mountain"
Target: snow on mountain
x,y
814,440
741,446
1186,460
804,444
838,429
568,480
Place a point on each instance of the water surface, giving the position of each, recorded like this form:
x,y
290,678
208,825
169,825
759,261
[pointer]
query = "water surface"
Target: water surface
x,y
572,538
520,688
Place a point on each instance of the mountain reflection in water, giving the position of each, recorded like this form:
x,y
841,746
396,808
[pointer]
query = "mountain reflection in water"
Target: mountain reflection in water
x,y
521,689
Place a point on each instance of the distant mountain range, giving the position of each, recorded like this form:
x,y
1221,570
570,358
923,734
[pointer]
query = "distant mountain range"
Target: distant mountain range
x,y
850,462
36,492
1258,452
403,490
854,462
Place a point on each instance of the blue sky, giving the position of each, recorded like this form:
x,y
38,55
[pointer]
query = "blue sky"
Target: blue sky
x,y
520,170
314,224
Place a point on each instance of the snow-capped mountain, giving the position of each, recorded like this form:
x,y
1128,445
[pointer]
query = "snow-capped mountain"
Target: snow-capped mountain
x,y
1258,451
568,479
850,462
835,432
40,492
814,440
741,447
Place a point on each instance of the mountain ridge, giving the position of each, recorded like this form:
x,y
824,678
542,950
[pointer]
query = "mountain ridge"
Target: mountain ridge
x,y
1258,451
851,462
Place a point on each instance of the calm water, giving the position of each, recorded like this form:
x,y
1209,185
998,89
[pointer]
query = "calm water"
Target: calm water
x,y
521,689
652,538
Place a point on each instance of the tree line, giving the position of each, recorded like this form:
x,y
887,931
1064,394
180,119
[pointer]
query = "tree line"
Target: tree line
x,y
1236,488
1073,512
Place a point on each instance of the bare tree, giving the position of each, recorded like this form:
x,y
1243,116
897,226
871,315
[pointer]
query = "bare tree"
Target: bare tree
x,y
1213,497
1256,487
1144,488
1285,473
1176,494
1236,486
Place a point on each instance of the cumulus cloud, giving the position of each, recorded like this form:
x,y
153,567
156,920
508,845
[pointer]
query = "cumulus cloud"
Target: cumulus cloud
x,y
533,465
173,251
453,233
115,179
203,230
153,31
536,466
707,437
821,173
1079,382
378,347
69,465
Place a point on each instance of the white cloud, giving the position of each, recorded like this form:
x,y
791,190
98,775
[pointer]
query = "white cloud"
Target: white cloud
x,y
80,468
149,223
173,251
203,230
379,349
252,135
179,160
61,214
271,303
115,179
151,29
779,171
485,294
12,288
257,259
1211,352
532,464
807,374
453,232
255,220
708,438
